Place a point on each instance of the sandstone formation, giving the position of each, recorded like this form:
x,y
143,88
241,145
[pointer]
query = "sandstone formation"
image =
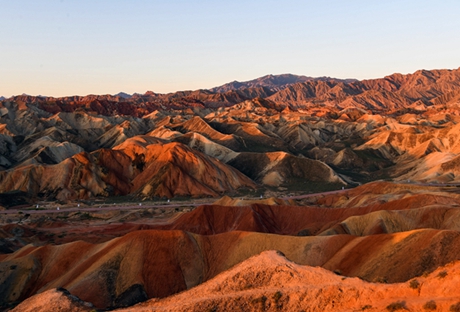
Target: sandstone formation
x,y
270,282
355,182
368,234
402,127
156,264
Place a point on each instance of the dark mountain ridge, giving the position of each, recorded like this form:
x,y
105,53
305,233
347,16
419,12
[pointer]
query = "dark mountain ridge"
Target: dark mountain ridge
x,y
390,93
273,82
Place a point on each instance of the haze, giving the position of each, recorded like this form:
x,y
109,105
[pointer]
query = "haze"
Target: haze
x,y
59,48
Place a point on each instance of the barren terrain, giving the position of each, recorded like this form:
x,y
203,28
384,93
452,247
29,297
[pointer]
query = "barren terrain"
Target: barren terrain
x,y
282,193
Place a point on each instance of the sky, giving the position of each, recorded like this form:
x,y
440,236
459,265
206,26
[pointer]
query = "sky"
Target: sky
x,y
79,47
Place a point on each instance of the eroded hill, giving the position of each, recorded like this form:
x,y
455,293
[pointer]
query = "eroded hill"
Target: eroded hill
x,y
311,135
104,167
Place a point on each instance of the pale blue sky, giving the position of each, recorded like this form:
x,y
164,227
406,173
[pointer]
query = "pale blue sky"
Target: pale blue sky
x,y
69,47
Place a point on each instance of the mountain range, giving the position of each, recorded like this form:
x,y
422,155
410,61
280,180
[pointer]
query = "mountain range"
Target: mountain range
x,y
280,193
322,130
295,92
273,82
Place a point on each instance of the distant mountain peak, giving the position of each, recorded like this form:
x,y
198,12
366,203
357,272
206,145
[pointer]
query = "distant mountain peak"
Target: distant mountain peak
x,y
123,95
273,82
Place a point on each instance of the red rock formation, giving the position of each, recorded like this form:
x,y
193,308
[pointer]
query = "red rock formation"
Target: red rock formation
x,y
161,263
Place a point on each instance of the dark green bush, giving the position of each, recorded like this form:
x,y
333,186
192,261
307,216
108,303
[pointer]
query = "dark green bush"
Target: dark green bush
x,y
430,305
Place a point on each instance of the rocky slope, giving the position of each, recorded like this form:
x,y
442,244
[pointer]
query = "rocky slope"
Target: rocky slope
x,y
142,166
308,134
365,232
148,264
270,282
277,137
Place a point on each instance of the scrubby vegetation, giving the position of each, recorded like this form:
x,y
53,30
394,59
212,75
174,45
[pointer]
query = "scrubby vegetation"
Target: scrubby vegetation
x,y
455,307
430,305
414,284
442,274
395,306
